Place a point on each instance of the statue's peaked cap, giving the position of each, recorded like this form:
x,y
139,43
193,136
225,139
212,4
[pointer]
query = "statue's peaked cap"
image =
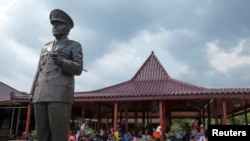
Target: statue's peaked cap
x,y
61,16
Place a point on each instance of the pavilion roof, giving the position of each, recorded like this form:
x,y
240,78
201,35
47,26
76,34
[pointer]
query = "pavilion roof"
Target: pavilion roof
x,y
150,82
7,93
153,82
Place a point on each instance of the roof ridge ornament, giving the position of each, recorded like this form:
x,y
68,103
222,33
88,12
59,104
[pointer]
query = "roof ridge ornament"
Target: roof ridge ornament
x,y
12,95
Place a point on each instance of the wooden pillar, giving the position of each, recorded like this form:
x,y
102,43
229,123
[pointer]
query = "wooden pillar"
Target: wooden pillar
x,y
107,124
99,117
143,115
72,123
200,111
148,116
151,119
82,114
136,114
27,126
224,109
112,117
12,120
161,116
164,116
115,115
120,115
208,114
168,115
203,116
216,119
126,117
17,120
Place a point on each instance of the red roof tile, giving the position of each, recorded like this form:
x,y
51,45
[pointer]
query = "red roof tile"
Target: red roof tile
x,y
151,70
7,93
153,82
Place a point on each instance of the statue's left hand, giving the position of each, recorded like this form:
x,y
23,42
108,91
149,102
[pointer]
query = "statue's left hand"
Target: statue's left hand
x,y
56,59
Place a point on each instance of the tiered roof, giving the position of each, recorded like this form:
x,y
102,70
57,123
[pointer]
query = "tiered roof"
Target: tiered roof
x,y
8,93
153,82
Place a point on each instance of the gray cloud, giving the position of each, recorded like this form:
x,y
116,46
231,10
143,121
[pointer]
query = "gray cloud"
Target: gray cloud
x,y
193,39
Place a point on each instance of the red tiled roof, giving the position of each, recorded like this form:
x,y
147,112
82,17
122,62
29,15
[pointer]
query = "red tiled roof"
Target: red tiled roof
x,y
153,82
150,82
7,93
151,70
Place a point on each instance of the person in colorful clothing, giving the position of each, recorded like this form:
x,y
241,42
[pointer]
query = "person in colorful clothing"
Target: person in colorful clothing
x,y
195,126
127,136
116,135
157,134
202,133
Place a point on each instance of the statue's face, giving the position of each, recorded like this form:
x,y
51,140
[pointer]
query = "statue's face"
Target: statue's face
x,y
59,29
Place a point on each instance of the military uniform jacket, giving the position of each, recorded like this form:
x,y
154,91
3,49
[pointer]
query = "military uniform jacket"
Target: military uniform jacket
x,y
56,83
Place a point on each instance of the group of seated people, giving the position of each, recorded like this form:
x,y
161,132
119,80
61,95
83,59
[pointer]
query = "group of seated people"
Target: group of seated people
x,y
102,135
195,132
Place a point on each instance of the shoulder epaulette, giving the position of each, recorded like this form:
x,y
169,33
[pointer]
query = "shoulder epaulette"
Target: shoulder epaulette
x,y
73,42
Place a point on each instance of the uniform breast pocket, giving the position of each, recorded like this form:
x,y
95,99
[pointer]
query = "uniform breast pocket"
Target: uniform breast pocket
x,y
65,54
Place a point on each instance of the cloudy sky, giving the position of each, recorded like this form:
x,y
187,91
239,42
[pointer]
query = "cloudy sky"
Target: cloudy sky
x,y
202,42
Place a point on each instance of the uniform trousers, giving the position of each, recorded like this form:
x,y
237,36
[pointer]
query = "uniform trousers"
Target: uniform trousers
x,y
52,120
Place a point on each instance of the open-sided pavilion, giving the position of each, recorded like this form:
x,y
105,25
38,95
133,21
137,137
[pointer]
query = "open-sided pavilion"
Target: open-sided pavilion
x,y
150,96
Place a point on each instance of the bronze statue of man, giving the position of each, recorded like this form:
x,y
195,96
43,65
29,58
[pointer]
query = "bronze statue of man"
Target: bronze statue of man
x,y
53,86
